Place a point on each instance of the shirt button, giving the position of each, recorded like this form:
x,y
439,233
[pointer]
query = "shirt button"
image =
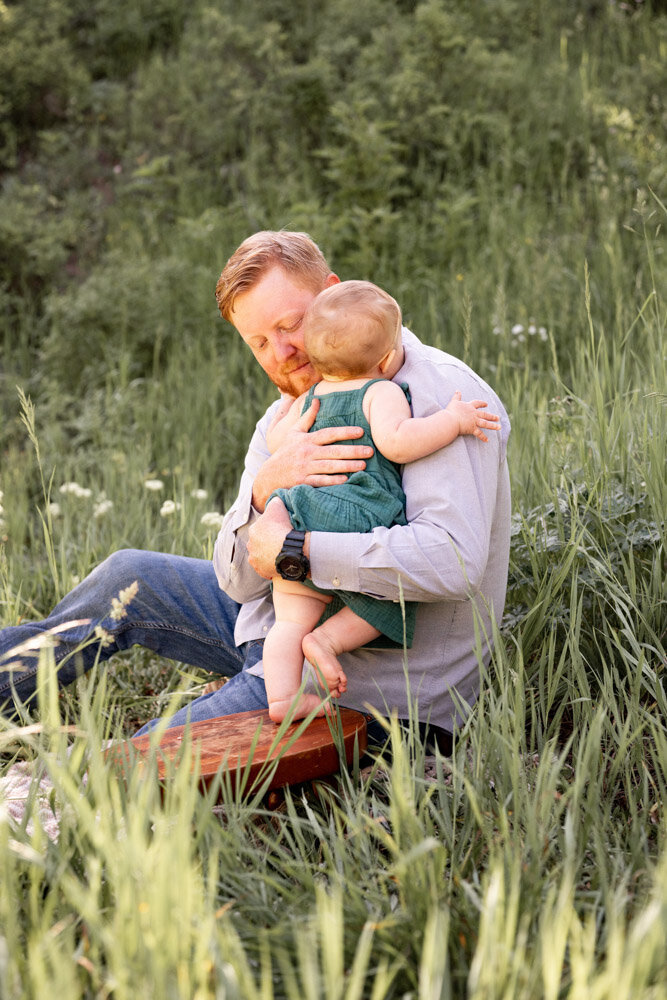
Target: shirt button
x,y
265,628
336,582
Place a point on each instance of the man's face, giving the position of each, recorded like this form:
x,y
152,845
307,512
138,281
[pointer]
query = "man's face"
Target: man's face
x,y
269,318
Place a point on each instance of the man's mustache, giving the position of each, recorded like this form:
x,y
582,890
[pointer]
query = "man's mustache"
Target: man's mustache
x,y
295,366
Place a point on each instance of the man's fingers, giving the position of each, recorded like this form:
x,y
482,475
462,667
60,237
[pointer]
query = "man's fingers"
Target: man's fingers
x,y
323,480
307,419
329,435
340,460
352,455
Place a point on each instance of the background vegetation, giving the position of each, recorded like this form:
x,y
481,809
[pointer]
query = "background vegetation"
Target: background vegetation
x,y
500,168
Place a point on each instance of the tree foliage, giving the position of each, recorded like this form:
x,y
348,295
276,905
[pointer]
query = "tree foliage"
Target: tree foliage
x,y
412,139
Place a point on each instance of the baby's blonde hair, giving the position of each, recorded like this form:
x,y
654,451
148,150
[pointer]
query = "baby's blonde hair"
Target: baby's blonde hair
x,y
350,327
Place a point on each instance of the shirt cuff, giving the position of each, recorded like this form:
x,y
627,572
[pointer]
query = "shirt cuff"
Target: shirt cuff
x,y
332,565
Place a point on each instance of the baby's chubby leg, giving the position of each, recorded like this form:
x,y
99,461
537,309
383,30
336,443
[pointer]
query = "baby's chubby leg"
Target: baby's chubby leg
x,y
341,633
298,609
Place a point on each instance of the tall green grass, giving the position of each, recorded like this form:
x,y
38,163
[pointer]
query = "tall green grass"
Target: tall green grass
x,y
525,236
531,864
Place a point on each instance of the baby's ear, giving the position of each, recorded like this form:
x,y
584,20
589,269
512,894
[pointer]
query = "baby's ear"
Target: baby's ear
x,y
387,360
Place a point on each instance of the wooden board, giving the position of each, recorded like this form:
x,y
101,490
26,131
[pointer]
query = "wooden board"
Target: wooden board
x,y
232,740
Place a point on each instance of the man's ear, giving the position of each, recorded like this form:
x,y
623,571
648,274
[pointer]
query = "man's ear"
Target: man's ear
x,y
332,279
387,360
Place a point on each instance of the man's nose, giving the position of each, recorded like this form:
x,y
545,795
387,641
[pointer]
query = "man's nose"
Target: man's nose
x,y
283,348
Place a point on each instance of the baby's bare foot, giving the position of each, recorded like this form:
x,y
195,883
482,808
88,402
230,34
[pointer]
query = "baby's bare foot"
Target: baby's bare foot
x,y
307,703
322,656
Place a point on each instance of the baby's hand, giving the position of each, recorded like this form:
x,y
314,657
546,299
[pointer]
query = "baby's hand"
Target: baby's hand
x,y
471,420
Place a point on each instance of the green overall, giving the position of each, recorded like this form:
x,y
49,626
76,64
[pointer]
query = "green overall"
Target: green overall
x,y
369,499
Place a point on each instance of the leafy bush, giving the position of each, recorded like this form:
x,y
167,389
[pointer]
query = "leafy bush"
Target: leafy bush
x,y
115,37
40,77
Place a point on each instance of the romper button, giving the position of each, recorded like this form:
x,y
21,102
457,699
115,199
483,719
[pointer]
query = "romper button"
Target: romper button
x,y
336,582
265,628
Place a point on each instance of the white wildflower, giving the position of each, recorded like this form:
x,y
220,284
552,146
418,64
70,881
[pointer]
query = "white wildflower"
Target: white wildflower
x,y
517,329
199,494
55,509
2,509
169,507
532,329
212,519
154,485
102,507
76,490
543,333
497,330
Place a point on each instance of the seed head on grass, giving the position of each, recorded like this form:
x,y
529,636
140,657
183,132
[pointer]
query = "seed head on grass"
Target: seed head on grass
x,y
125,597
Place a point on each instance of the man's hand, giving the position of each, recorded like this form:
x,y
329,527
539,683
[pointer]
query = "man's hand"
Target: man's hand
x,y
266,537
315,459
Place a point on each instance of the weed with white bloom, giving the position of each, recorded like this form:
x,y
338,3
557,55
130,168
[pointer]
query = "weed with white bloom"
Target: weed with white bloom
x,y
75,490
154,485
212,519
199,494
519,334
169,507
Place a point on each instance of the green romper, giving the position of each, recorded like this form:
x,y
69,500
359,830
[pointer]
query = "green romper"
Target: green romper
x,y
369,499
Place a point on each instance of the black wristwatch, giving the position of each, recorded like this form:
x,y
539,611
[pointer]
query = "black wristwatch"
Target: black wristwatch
x,y
291,563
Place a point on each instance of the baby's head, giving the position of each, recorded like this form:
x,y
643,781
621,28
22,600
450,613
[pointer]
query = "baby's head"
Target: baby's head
x,y
350,328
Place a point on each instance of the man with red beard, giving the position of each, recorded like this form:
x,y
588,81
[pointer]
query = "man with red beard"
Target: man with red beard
x,y
452,556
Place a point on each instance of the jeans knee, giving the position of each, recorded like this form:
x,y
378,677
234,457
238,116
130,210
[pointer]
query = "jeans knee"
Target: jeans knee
x,y
123,566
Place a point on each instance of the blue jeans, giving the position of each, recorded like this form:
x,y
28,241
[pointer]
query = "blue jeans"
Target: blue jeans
x,y
179,612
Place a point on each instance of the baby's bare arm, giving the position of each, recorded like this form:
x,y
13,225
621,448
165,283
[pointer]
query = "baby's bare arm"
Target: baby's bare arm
x,y
403,438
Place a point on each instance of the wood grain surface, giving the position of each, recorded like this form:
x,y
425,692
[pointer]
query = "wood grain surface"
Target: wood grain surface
x,y
248,747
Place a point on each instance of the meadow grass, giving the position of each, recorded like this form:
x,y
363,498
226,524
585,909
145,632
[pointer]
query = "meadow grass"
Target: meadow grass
x,y
530,864
528,240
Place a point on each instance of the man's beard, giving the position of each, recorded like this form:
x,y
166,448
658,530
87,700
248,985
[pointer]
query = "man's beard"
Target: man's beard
x,y
293,383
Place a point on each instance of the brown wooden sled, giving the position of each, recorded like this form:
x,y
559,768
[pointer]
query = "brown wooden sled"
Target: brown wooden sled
x,y
246,744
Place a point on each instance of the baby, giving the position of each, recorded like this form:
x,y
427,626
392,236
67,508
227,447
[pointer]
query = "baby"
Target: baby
x,y
352,334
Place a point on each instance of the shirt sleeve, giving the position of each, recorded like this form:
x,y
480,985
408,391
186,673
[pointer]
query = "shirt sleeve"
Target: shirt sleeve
x,y
230,556
442,553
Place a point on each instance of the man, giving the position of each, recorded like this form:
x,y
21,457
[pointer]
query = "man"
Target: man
x,y
451,557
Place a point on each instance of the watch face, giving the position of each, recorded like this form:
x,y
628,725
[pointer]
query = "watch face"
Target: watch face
x,y
292,568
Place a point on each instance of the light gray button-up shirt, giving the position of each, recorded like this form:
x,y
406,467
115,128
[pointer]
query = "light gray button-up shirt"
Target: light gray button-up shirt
x,y
452,557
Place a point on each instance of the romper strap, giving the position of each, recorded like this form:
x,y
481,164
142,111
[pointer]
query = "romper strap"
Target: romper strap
x,y
309,398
